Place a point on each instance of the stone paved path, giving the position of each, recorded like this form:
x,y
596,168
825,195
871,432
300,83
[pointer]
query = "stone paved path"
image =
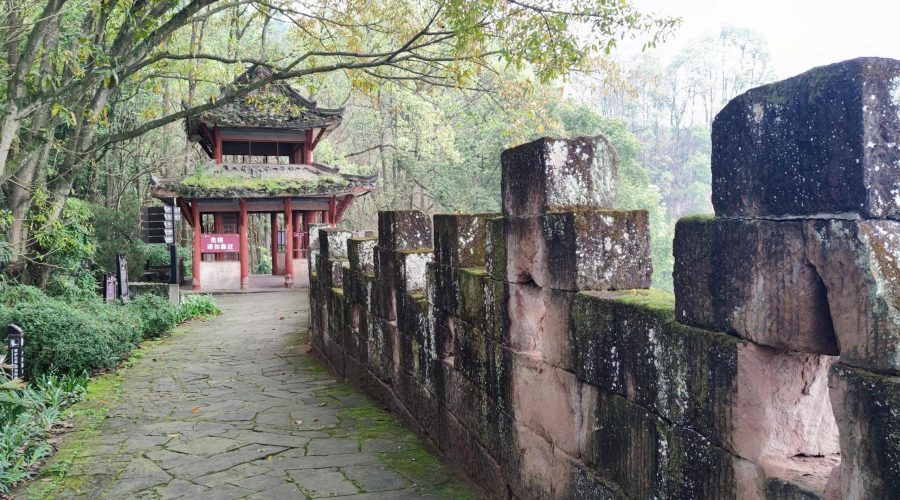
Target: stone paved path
x,y
236,408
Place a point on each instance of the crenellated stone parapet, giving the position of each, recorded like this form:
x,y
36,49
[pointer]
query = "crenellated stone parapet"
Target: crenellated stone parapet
x,y
527,349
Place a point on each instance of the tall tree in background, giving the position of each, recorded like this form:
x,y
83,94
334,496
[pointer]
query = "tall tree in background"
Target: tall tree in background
x,y
73,71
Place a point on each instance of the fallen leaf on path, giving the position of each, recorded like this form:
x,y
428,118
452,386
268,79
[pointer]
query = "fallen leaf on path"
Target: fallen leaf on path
x,y
195,410
323,404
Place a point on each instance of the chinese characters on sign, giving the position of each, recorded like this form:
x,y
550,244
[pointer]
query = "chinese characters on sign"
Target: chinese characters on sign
x,y
219,243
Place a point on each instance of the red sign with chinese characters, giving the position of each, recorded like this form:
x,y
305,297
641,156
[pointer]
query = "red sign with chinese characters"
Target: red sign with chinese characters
x,y
219,243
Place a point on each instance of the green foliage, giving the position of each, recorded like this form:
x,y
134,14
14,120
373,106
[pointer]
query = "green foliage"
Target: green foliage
x,y
155,254
27,414
195,306
66,242
69,336
65,339
117,231
264,266
156,315
77,287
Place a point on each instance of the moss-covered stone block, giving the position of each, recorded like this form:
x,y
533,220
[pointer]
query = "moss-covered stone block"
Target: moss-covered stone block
x,y
497,319
867,408
558,174
487,423
361,254
412,315
333,242
650,458
628,343
487,364
411,268
473,284
442,329
752,278
445,293
495,247
584,250
822,142
807,286
404,230
459,239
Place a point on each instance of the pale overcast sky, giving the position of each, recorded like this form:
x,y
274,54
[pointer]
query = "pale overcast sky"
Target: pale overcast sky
x,y
801,33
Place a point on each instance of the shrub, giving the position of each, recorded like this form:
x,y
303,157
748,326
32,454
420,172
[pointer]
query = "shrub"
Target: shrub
x,y
27,413
193,306
73,287
60,337
11,295
156,316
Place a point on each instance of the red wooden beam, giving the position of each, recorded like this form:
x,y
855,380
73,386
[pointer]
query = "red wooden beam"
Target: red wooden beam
x,y
186,212
341,207
318,138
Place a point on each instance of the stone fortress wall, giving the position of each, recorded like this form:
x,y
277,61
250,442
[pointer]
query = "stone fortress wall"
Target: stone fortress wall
x,y
528,350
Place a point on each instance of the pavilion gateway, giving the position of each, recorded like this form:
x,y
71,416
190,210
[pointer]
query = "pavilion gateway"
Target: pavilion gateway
x,y
261,161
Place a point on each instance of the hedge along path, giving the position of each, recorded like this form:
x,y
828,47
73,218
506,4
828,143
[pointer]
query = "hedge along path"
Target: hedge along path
x,y
234,407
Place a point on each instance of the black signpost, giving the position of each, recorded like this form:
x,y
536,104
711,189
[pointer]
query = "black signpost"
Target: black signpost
x,y
158,226
16,343
122,276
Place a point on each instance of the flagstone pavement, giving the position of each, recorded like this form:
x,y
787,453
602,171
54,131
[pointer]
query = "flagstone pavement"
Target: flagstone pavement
x,y
235,407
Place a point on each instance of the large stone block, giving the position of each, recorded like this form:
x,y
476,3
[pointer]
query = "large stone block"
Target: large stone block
x,y
752,278
859,262
459,239
559,174
548,401
819,286
411,267
538,323
585,250
333,243
495,248
444,293
824,141
404,230
473,284
867,407
487,364
651,458
488,423
760,403
361,254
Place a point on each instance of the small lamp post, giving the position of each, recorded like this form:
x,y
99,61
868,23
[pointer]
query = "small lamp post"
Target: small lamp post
x,y
16,343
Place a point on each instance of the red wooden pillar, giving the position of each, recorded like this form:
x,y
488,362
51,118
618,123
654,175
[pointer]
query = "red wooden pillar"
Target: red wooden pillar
x,y
274,219
288,245
332,211
217,145
308,149
195,261
326,216
245,247
296,235
219,228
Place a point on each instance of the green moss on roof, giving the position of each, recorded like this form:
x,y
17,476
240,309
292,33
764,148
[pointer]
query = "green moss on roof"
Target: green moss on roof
x,y
234,185
264,184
